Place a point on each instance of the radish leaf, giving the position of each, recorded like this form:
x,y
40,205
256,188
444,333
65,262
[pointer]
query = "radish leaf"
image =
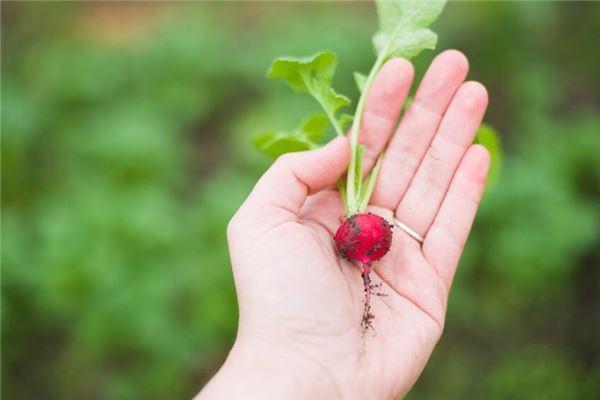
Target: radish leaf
x,y
346,121
403,27
314,127
403,32
312,75
360,80
306,137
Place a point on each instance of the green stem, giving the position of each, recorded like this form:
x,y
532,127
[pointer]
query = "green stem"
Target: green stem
x,y
352,197
341,184
365,195
336,124
332,118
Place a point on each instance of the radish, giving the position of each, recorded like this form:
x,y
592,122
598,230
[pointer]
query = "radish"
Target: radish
x,y
364,238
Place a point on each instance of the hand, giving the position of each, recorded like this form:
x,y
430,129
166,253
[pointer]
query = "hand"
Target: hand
x,y
300,304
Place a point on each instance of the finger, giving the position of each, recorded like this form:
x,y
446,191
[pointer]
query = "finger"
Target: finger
x,y
420,204
446,239
282,190
382,107
418,126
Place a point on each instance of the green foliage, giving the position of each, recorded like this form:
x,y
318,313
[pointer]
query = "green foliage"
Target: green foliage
x,y
402,33
346,121
534,370
122,163
403,27
312,75
360,80
488,137
306,137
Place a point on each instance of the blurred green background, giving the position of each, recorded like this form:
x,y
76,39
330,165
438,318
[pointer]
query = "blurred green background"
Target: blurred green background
x,y
126,148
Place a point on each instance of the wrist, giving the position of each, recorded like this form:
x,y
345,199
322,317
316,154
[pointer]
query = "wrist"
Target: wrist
x,y
258,369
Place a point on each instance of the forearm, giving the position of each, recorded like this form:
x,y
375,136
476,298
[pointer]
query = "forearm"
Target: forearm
x,y
258,370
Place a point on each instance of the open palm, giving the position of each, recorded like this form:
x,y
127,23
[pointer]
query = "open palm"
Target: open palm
x,y
301,304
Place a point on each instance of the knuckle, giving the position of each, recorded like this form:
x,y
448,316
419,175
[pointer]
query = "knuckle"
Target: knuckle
x,y
284,160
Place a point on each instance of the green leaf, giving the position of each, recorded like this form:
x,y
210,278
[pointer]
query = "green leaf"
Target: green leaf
x,y
312,75
334,101
403,26
300,72
407,103
406,45
360,80
275,144
306,137
488,137
346,121
314,127
419,13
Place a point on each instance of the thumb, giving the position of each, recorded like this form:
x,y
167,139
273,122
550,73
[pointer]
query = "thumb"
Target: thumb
x,y
293,176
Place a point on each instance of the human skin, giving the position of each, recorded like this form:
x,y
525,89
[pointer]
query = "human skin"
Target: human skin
x,y
300,303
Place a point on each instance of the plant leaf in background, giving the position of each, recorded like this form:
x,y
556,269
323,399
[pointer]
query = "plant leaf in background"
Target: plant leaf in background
x,y
123,243
488,137
312,75
403,27
306,137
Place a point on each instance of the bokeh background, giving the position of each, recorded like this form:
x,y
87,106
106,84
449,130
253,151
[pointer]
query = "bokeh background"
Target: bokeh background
x,y
126,148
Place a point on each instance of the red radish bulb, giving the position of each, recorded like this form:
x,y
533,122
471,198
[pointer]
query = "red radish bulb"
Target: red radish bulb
x,y
364,238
